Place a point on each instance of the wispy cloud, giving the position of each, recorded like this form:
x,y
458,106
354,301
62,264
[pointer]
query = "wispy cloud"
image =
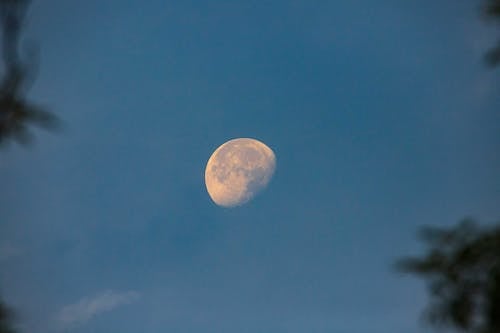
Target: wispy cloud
x,y
89,307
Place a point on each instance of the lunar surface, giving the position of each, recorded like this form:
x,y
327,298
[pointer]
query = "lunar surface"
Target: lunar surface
x,y
238,170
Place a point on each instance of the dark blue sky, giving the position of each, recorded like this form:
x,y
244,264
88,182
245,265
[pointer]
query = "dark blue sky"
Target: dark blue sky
x,y
382,118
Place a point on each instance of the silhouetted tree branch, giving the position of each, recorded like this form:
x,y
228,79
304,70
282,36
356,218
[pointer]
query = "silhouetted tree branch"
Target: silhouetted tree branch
x,y
492,12
5,319
462,271
16,112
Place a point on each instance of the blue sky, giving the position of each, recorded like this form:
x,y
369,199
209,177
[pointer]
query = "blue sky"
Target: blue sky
x,y
382,118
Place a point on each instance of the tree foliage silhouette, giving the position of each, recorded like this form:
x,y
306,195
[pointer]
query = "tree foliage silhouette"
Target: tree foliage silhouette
x,y
492,12
5,319
16,112
462,270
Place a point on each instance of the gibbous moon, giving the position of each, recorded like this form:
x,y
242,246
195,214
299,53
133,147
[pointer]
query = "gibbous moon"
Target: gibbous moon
x,y
238,170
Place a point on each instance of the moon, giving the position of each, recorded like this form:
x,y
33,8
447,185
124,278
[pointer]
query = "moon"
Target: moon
x,y
238,170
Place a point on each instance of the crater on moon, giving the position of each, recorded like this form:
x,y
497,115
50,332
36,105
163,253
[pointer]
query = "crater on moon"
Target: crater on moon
x,y
238,170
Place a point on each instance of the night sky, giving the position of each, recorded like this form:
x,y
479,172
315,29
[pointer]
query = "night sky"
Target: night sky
x,y
382,115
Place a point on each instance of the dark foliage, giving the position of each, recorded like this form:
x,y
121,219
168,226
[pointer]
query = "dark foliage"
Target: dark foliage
x,y
16,112
5,319
462,270
492,12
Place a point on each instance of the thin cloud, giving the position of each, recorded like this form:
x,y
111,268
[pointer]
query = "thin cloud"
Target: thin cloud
x,y
89,307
